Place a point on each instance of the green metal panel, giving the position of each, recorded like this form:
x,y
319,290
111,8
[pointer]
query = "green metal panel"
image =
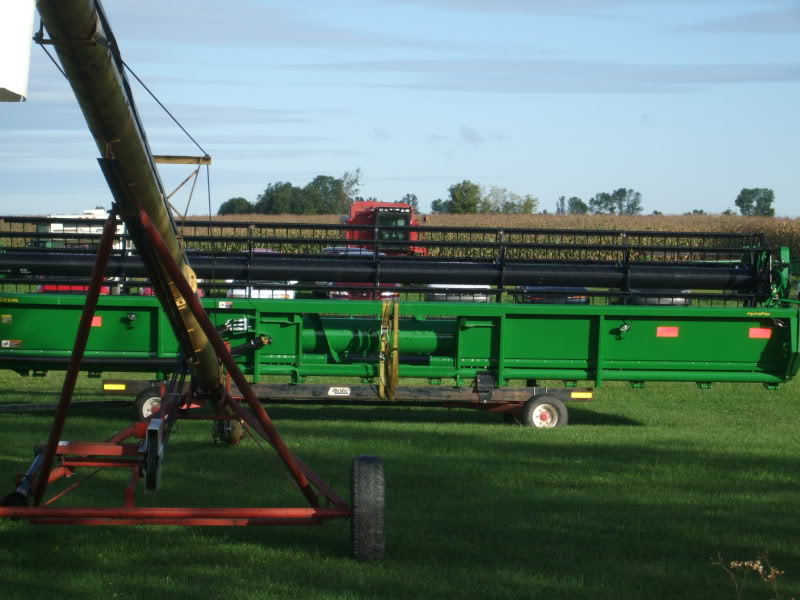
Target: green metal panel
x,y
46,325
439,340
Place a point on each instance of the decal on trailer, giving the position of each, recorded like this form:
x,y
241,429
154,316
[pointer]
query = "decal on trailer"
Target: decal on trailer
x,y
339,391
225,304
6,319
760,333
11,344
667,332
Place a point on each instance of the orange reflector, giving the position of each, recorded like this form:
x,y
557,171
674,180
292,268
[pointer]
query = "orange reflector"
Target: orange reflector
x,y
760,333
97,321
667,331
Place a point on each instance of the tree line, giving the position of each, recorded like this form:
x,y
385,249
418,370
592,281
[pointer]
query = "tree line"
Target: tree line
x,y
325,195
468,197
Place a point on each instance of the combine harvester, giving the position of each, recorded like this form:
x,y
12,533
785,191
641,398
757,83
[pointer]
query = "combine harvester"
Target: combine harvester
x,y
587,306
91,61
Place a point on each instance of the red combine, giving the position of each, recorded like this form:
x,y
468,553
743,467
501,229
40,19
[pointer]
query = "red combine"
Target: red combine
x,y
385,218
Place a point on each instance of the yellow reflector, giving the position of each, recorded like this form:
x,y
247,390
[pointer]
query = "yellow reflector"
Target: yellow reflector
x,y
581,395
115,387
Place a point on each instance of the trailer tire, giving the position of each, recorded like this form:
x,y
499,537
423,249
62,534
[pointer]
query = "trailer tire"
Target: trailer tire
x,y
544,412
147,402
367,498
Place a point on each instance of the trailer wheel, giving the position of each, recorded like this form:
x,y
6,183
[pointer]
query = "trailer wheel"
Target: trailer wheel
x,y
544,412
148,402
367,497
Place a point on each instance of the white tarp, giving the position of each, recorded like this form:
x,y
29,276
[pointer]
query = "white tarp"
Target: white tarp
x,y
16,31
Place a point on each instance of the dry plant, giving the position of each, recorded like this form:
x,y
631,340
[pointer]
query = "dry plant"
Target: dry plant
x,y
779,231
740,571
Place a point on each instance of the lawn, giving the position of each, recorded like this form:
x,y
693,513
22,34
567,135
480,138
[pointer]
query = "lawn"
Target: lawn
x,y
632,500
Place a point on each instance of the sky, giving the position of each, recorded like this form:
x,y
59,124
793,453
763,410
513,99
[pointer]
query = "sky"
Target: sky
x,y
685,101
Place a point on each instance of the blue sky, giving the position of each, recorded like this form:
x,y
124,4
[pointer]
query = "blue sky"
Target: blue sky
x,y
686,101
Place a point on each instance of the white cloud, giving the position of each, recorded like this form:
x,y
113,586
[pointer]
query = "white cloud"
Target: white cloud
x,y
558,76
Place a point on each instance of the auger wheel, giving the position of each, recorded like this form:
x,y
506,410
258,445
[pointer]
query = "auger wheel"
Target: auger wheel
x,y
15,499
147,402
367,499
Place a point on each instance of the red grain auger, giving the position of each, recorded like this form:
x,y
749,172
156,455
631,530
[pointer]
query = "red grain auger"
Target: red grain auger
x,y
90,58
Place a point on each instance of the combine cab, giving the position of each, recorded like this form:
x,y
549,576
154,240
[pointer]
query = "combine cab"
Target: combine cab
x,y
393,220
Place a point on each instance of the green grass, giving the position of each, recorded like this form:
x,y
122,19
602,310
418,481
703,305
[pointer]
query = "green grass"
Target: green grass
x,y
630,501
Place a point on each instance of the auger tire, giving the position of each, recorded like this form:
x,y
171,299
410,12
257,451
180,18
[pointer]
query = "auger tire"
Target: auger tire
x,y
367,497
147,403
15,499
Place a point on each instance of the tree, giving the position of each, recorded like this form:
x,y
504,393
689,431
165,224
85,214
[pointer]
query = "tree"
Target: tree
x,y
464,197
440,206
561,205
325,195
629,202
350,183
576,206
728,212
235,206
281,198
492,199
602,204
756,202
500,200
695,211
621,201
529,204
411,200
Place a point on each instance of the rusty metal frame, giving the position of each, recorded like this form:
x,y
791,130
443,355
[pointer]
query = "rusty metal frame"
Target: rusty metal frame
x,y
116,452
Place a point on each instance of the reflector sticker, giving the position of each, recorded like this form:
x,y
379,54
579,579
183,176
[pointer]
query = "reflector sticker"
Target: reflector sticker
x,y
580,395
225,305
669,332
11,344
117,387
6,319
97,321
760,333
339,391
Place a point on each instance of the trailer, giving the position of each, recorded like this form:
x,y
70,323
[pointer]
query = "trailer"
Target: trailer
x,y
651,306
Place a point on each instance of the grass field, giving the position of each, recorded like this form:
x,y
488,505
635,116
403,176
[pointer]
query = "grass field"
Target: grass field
x,y
632,500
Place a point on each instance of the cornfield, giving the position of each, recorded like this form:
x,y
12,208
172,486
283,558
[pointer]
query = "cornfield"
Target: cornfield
x,y
779,231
